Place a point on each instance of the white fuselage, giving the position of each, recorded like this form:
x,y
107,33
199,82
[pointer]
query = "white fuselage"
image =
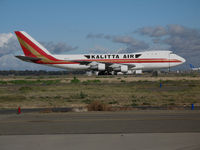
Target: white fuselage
x,y
148,60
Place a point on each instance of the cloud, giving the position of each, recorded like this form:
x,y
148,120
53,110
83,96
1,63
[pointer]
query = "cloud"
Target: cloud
x,y
90,35
4,38
179,38
8,44
152,31
182,40
131,43
99,35
99,50
58,48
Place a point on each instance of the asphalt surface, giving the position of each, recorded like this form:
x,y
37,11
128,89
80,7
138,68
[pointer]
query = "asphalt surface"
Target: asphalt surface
x,y
136,141
100,122
140,130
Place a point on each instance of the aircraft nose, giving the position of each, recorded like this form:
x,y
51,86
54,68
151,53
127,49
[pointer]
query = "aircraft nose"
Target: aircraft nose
x,y
182,60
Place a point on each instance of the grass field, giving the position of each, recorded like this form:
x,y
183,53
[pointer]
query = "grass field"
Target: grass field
x,y
64,91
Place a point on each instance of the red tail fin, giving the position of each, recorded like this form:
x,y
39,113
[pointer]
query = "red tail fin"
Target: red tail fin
x,y
32,48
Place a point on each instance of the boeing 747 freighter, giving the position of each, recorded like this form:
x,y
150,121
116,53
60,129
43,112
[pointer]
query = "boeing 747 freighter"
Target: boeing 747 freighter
x,y
102,63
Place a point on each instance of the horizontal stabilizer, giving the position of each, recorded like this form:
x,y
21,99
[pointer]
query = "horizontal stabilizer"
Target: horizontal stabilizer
x,y
29,59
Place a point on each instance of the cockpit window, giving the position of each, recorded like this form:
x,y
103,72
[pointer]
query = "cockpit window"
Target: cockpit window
x,y
137,55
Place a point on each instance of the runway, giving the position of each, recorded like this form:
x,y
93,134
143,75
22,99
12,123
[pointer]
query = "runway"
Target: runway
x,y
135,141
100,122
152,130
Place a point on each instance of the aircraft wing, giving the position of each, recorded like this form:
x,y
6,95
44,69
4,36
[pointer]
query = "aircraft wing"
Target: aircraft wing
x,y
28,59
83,62
108,64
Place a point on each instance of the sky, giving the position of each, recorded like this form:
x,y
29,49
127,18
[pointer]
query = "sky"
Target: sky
x,y
106,26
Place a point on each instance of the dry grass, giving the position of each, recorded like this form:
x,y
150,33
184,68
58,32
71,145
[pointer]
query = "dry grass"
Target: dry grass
x,y
98,106
133,91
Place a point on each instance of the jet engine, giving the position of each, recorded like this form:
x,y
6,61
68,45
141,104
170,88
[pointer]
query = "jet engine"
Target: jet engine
x,y
101,67
120,68
124,68
97,66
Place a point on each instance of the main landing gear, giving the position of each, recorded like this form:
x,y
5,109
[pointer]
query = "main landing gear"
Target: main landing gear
x,y
104,73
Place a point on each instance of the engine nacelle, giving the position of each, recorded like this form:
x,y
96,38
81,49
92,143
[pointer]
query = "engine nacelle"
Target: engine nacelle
x,y
124,68
101,67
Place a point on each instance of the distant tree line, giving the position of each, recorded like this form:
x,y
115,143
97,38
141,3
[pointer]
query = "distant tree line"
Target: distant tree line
x,y
37,72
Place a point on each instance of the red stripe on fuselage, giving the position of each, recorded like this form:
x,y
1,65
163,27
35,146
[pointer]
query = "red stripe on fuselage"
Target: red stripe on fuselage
x,y
129,61
139,59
